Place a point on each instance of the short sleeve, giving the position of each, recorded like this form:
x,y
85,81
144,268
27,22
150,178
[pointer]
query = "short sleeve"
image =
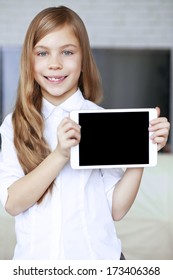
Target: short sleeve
x,y
10,168
110,178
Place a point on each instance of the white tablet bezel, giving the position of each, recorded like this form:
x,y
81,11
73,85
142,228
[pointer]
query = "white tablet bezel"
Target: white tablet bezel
x,y
74,154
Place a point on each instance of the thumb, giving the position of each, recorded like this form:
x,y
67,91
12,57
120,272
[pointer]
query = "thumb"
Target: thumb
x,y
158,111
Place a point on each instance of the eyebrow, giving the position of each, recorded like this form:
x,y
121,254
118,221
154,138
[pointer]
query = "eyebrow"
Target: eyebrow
x,y
61,47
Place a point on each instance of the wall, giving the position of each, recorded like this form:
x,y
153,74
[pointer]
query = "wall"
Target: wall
x,y
114,23
132,23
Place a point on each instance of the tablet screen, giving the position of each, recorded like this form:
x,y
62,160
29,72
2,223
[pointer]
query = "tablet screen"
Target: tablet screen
x,y
114,138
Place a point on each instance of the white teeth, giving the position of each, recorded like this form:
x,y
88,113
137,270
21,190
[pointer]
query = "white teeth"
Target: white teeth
x,y
54,79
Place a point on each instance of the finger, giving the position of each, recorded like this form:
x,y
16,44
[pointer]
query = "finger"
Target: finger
x,y
160,144
158,140
160,133
159,123
69,143
69,133
73,134
158,111
69,124
159,120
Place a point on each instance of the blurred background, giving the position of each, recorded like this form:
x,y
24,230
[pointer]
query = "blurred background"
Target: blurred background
x,y
132,41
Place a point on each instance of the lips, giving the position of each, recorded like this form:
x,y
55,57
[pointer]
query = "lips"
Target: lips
x,y
55,79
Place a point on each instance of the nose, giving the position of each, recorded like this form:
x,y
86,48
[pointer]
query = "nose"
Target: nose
x,y
55,63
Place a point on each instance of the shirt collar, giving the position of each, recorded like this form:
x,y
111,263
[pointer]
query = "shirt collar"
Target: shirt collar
x,y
74,102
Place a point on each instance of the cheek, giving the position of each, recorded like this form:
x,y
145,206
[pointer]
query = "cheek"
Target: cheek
x,y
74,64
38,66
76,67
36,69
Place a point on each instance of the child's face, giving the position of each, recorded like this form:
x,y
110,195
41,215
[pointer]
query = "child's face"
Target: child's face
x,y
57,64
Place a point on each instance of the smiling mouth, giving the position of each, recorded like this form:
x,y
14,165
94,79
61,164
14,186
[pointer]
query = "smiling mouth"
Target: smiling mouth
x,y
55,78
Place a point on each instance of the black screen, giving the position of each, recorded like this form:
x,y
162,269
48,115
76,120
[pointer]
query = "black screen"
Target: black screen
x,y
114,138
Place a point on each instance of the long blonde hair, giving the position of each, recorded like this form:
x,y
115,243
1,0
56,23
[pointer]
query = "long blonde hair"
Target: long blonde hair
x,y
28,122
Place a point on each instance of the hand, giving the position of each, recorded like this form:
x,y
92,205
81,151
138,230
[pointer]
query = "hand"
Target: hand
x,y
160,128
68,136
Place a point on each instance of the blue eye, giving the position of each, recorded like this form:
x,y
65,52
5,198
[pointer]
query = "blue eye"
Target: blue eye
x,y
42,54
67,53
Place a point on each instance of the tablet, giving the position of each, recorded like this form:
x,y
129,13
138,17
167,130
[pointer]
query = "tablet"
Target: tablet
x,y
114,138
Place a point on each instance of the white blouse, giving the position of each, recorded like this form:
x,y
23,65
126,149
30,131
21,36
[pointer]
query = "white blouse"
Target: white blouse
x,y
74,221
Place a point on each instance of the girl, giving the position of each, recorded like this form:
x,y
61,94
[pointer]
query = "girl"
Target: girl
x,y
61,213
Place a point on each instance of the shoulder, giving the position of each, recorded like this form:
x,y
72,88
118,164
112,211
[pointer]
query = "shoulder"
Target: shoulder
x,y
6,126
91,105
7,122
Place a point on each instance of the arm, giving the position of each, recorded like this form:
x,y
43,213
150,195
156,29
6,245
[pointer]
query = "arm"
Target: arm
x,y
125,192
26,191
127,188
